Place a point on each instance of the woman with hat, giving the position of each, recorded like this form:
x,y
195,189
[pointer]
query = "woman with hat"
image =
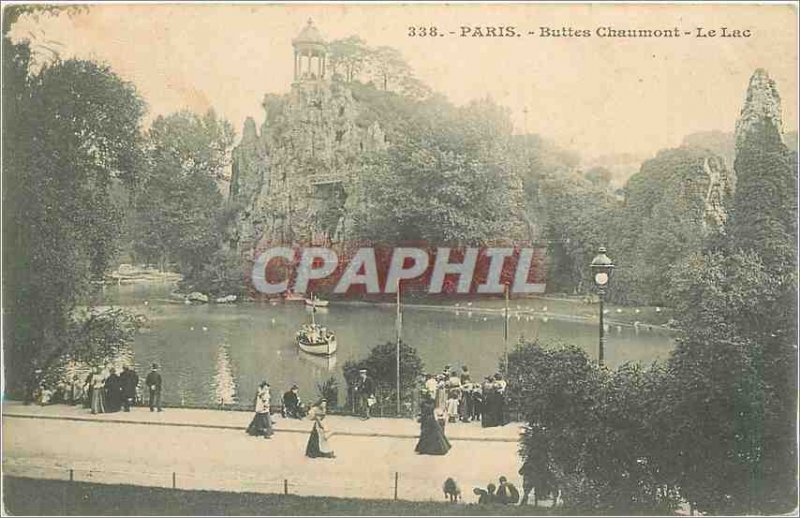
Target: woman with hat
x,y
261,424
318,445
431,435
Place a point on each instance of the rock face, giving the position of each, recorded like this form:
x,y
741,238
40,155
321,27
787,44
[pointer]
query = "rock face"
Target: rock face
x,y
762,105
291,181
695,182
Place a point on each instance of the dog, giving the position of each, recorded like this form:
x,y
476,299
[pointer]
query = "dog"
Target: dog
x,y
451,490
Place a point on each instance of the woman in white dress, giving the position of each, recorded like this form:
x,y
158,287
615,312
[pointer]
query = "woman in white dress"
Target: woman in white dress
x,y
98,383
261,425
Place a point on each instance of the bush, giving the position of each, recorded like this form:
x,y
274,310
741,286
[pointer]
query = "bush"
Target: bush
x,y
329,391
591,431
381,365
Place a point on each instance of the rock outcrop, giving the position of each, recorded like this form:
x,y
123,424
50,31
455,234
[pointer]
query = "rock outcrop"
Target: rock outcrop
x,y
762,105
291,181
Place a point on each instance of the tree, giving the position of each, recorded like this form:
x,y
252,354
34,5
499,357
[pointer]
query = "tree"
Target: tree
x,y
590,431
381,365
347,57
732,383
441,181
733,375
180,214
71,131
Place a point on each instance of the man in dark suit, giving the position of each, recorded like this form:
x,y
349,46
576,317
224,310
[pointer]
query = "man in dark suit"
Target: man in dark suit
x,y
129,381
291,403
365,392
153,382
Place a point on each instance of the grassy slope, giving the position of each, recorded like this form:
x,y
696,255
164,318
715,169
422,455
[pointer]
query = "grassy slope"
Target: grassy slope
x,y
25,496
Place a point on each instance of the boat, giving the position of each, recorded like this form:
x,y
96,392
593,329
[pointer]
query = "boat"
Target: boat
x,y
317,302
314,338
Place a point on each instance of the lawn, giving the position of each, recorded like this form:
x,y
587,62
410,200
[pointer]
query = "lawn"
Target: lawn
x,y
27,496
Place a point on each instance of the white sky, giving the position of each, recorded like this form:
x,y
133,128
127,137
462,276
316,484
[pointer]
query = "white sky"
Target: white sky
x,y
598,96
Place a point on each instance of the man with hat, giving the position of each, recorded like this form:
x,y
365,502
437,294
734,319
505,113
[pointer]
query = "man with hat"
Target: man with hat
x,y
365,393
129,381
291,403
153,381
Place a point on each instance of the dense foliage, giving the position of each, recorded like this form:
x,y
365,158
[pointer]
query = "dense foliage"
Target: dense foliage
x,y
716,424
71,132
381,365
181,214
591,431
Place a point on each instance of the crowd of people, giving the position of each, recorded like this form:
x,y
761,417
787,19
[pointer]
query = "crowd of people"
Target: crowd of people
x,y
104,390
459,398
318,445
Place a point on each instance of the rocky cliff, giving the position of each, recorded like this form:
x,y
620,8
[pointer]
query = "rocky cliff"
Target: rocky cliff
x,y
291,181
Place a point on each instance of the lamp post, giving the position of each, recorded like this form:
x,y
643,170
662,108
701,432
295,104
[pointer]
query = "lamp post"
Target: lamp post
x,y
602,266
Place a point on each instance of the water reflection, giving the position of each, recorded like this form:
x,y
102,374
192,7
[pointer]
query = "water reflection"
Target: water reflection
x,y
224,384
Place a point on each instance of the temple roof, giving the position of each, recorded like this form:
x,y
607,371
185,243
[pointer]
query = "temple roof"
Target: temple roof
x,y
309,34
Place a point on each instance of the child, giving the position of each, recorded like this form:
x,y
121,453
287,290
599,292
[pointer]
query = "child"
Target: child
x,y
452,406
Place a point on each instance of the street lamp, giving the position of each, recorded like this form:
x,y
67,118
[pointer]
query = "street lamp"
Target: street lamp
x,y
602,266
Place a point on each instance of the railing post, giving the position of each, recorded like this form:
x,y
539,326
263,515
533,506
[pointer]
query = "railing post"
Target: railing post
x,y
71,475
174,485
396,479
285,486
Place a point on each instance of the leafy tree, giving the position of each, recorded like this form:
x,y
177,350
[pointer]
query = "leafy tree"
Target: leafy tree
x,y
764,215
181,215
441,182
590,431
732,383
381,365
348,57
576,216
71,131
733,375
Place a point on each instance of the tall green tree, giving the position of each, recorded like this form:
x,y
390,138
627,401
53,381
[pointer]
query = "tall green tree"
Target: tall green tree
x,y
441,180
733,375
71,131
180,210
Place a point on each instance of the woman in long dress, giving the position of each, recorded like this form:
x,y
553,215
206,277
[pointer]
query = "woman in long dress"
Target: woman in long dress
x,y
97,383
431,437
318,445
261,425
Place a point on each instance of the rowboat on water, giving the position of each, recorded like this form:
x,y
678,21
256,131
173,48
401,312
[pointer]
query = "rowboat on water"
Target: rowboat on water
x,y
314,338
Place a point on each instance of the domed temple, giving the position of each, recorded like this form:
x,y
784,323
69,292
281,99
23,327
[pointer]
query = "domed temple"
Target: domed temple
x,y
292,178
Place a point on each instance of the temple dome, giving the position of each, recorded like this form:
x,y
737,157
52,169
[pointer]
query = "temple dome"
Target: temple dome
x,y
310,35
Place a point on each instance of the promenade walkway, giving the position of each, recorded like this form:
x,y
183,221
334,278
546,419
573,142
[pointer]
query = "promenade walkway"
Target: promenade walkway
x,y
208,449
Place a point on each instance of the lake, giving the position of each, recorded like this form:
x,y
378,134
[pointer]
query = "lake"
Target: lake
x,y
212,353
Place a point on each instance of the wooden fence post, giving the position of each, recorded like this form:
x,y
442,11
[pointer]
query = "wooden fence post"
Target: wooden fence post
x,y
71,475
174,485
396,479
285,486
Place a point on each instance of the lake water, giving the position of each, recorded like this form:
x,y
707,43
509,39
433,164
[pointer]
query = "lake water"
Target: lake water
x,y
214,352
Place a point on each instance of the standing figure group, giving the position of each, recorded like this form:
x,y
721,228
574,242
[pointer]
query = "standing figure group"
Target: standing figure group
x,y
261,425
457,398
108,392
